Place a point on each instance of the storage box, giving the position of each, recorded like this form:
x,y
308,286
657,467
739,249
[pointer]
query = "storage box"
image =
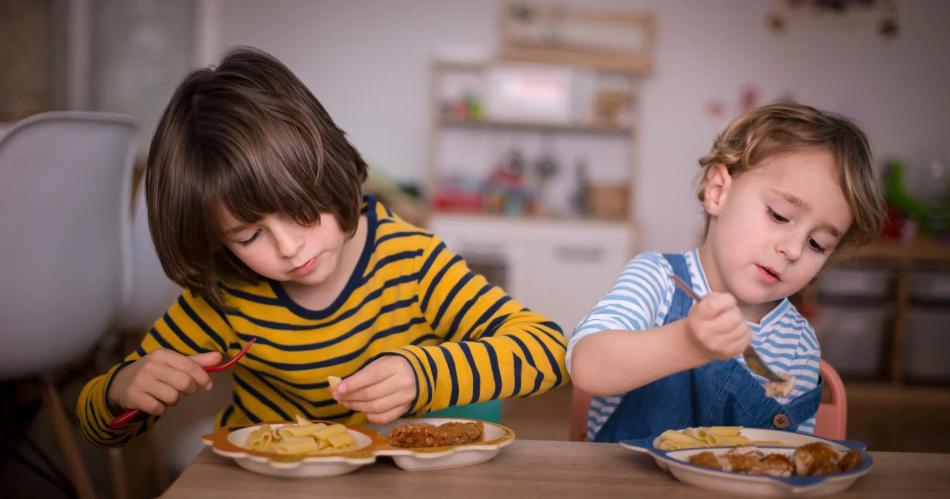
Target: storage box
x,y
852,337
930,286
855,281
928,344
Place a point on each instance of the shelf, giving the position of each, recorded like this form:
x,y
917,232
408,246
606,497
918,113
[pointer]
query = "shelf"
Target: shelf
x,y
906,257
477,216
536,126
918,250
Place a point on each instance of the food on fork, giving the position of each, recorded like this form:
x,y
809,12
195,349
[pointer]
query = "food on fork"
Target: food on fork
x,y
775,389
426,435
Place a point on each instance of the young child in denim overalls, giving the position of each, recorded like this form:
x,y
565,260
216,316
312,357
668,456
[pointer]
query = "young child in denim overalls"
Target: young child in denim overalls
x,y
783,188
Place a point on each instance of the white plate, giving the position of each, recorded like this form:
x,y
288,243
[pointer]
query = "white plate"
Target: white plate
x,y
754,484
230,441
370,443
494,439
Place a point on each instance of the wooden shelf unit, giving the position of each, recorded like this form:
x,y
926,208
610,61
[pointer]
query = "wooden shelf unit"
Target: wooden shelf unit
x,y
905,257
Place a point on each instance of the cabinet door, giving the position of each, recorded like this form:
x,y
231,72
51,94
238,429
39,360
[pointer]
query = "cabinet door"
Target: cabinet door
x,y
564,280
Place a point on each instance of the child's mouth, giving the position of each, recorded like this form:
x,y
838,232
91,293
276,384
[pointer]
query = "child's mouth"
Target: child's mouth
x,y
306,267
768,274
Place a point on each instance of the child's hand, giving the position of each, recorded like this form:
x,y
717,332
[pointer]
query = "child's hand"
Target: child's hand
x,y
383,389
157,380
717,327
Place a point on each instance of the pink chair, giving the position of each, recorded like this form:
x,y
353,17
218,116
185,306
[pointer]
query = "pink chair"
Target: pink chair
x,y
830,422
832,418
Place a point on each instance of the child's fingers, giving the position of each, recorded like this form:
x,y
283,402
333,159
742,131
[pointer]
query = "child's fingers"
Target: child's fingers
x,y
365,377
207,359
181,381
715,304
151,395
146,403
192,366
388,416
379,405
725,323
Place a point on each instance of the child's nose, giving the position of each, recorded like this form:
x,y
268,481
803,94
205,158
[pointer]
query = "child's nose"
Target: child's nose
x,y
790,247
288,241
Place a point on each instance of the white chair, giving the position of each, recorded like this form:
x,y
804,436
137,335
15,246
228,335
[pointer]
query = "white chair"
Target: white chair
x,y
151,291
65,203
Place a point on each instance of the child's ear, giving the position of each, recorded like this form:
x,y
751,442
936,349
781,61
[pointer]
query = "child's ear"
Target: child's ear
x,y
715,188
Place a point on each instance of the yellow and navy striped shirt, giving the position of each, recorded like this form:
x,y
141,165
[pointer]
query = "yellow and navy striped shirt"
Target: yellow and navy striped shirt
x,y
466,340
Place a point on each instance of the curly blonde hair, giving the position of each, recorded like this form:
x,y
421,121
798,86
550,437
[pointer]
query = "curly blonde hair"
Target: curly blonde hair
x,y
786,126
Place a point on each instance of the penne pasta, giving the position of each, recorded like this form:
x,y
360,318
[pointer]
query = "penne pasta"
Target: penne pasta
x,y
692,438
301,438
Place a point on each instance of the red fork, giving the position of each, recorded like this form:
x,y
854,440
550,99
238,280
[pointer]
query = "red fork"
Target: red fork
x,y
128,415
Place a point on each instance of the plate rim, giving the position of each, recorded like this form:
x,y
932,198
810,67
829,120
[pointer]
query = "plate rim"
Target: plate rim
x,y
378,446
795,484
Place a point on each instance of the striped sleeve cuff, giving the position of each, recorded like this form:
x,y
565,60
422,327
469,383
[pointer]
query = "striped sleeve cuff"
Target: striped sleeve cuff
x,y
416,356
95,413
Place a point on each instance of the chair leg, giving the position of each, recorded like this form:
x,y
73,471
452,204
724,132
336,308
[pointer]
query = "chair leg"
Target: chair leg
x,y
159,471
62,431
120,487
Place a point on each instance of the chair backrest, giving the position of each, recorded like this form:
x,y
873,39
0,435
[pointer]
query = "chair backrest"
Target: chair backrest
x,y
580,404
65,186
832,418
151,290
830,422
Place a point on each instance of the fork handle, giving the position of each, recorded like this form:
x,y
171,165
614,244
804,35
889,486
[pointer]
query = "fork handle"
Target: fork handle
x,y
123,418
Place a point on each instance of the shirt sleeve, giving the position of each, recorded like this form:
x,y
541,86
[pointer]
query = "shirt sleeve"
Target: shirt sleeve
x,y
492,347
190,326
641,294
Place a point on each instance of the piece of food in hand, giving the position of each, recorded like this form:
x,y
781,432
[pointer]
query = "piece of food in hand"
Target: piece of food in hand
x,y
334,381
816,458
426,435
774,389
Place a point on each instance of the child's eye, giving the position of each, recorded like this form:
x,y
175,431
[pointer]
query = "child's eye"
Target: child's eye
x,y
776,216
250,239
818,248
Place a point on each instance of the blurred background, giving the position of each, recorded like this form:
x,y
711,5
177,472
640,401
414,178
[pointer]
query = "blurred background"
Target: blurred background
x,y
548,142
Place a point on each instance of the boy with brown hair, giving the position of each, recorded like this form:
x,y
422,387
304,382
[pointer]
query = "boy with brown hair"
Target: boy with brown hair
x,y
256,209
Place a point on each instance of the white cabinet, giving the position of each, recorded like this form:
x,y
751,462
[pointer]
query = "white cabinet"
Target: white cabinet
x,y
557,268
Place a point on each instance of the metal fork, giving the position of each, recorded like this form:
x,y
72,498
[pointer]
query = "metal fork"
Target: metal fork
x,y
751,357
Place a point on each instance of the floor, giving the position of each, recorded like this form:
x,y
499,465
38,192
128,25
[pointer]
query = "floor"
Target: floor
x,y
886,417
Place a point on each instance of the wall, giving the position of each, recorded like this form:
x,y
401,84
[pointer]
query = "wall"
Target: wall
x,y
368,61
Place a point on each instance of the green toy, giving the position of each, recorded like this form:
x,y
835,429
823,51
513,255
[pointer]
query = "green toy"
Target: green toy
x,y
932,218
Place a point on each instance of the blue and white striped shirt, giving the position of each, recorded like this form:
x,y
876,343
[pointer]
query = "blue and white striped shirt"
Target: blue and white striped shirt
x,y
640,299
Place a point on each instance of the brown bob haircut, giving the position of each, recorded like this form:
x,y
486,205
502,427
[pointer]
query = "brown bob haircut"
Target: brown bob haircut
x,y
787,126
248,136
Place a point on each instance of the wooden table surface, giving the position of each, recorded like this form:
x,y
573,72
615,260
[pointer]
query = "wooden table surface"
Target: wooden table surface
x,y
534,468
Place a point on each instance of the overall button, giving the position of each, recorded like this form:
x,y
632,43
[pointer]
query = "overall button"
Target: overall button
x,y
780,421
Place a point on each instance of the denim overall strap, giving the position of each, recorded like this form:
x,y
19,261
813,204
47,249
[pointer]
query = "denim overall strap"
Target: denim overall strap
x,y
681,303
718,393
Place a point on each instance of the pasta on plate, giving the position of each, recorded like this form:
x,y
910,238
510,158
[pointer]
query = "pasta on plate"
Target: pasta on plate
x,y
711,436
301,438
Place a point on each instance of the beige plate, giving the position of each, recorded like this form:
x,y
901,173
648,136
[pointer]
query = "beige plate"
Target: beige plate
x,y
370,443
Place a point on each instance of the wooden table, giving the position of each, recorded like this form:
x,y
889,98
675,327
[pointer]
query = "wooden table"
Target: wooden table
x,y
534,468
